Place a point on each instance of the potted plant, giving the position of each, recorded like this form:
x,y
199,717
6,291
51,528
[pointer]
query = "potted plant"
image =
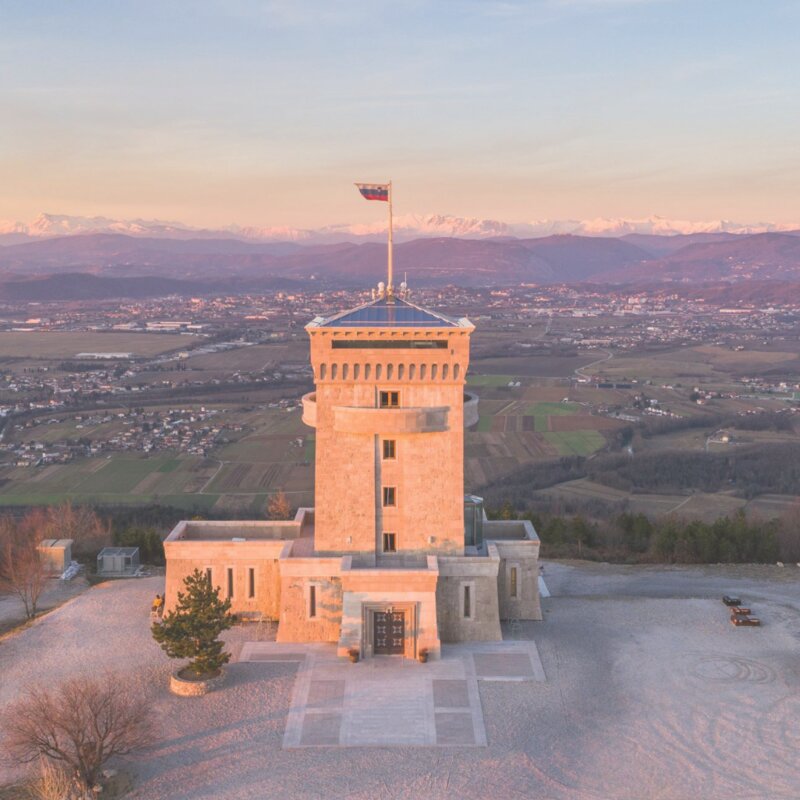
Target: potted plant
x,y
191,630
422,656
353,655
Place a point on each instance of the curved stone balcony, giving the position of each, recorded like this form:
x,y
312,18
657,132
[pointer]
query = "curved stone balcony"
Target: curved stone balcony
x,y
470,409
310,409
354,419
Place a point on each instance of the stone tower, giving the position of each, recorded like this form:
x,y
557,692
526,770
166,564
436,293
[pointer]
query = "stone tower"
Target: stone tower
x,y
389,412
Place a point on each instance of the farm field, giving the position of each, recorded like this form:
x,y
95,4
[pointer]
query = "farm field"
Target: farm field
x,y
274,451
706,364
529,423
67,344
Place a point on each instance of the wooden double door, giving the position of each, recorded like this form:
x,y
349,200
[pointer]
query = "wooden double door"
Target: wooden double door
x,y
390,633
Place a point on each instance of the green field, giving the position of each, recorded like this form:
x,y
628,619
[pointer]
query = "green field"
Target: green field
x,y
489,380
575,443
67,344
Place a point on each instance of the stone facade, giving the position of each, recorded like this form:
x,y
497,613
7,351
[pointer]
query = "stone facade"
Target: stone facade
x,y
382,563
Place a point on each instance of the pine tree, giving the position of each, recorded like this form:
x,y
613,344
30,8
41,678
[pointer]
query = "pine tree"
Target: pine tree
x,y
192,629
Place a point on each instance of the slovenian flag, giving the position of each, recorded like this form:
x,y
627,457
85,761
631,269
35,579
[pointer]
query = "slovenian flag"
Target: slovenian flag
x,y
374,191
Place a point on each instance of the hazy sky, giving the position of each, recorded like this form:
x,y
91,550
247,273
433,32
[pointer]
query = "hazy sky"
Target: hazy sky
x,y
265,112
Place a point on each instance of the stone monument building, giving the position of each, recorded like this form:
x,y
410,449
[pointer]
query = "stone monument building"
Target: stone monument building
x,y
393,558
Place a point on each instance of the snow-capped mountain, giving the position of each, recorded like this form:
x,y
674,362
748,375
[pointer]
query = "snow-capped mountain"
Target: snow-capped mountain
x,y
406,228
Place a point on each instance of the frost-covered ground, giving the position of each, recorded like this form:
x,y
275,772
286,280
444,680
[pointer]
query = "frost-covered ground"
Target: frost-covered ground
x,y
650,693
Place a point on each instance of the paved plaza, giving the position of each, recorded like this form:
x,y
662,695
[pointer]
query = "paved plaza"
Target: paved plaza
x,y
650,692
390,700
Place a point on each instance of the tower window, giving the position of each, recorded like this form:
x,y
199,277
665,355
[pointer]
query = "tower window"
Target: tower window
x,y
389,399
467,601
312,601
389,496
389,543
230,581
512,582
251,582
389,449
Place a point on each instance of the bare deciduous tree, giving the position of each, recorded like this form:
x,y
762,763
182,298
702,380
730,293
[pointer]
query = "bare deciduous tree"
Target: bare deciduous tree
x,y
23,571
80,725
88,531
279,506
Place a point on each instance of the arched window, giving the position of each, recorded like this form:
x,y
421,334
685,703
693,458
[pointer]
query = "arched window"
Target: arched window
x,y
389,371
423,368
445,370
434,371
344,371
356,370
378,372
322,371
367,370
334,369
412,368
401,369
456,370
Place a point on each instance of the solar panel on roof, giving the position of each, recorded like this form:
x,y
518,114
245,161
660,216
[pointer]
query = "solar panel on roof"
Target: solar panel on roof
x,y
392,315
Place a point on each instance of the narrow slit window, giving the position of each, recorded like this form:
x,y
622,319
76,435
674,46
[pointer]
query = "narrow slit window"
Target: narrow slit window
x,y
512,582
322,371
456,370
344,371
468,602
209,577
401,371
356,370
389,496
434,371
389,371
230,581
412,368
251,582
445,369
367,371
378,372
389,449
389,543
423,368
312,601
334,369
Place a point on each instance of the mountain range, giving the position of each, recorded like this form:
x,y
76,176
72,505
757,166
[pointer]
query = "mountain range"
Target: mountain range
x,y
406,227
113,264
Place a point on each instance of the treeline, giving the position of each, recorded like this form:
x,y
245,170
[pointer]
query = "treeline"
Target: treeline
x,y
636,538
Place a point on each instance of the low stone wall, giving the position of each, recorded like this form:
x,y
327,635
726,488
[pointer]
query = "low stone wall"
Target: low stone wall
x,y
188,688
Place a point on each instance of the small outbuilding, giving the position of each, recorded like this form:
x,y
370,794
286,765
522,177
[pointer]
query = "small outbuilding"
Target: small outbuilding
x,y
56,554
118,561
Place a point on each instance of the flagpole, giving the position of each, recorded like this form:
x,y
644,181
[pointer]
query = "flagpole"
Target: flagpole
x,y
390,285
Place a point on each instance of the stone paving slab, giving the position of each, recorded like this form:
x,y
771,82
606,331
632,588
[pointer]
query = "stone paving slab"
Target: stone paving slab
x,y
393,701
454,728
450,694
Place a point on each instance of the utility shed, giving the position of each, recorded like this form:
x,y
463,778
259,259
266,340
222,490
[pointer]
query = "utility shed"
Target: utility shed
x,y
56,554
119,561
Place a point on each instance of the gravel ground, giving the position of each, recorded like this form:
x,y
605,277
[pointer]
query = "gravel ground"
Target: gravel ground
x,y
56,591
646,697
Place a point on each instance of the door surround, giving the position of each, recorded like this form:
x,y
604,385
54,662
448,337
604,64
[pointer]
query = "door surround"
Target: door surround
x,y
368,626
